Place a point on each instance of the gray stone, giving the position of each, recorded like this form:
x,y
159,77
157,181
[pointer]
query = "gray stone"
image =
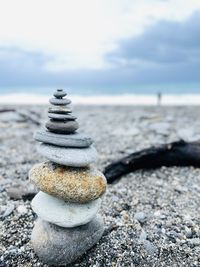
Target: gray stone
x,y
140,216
74,157
150,247
6,210
62,127
188,232
143,236
68,140
60,246
21,190
59,109
60,101
62,213
21,209
60,93
194,242
61,117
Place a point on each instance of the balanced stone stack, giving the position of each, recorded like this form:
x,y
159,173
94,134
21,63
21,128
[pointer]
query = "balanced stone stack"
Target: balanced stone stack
x,y
69,200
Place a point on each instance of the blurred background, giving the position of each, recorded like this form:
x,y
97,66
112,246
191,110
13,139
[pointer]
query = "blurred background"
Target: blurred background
x,y
115,51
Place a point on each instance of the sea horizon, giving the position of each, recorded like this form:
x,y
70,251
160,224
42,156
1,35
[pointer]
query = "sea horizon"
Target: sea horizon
x,y
184,99
135,89
138,94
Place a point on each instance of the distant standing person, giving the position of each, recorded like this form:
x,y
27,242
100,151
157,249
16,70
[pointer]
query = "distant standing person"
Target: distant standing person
x,y
159,98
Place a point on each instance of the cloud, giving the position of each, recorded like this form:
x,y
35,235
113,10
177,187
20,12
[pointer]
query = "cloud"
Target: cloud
x,y
19,67
26,69
164,42
167,51
77,34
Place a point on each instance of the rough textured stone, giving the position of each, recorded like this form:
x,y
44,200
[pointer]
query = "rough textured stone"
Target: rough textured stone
x,y
65,214
68,140
59,109
61,117
60,246
61,101
62,127
79,185
74,157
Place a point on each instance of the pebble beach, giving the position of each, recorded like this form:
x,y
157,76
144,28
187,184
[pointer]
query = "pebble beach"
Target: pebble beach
x,y
152,218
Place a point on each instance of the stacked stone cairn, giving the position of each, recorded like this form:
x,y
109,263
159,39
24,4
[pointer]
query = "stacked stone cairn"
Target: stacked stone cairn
x,y
69,200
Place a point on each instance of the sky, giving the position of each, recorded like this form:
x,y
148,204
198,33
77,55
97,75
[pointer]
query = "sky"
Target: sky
x,y
99,43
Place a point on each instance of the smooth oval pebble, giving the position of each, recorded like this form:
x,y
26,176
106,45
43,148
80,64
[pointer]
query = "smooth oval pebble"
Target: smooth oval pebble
x,y
65,214
64,140
62,127
59,109
60,101
60,246
77,185
61,117
60,93
74,157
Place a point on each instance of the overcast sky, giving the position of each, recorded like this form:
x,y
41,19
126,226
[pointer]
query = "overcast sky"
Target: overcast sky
x,y
96,43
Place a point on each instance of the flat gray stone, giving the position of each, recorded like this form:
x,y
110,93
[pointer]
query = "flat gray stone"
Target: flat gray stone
x,y
21,190
62,213
62,127
64,140
73,157
60,101
60,246
61,117
59,109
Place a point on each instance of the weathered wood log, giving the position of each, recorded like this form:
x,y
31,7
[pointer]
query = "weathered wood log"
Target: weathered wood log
x,y
178,153
30,118
27,117
2,110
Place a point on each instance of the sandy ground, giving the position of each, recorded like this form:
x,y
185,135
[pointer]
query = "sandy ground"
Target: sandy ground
x,y
152,218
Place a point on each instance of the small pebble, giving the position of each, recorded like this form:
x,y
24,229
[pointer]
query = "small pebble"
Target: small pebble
x,y
8,210
140,216
22,209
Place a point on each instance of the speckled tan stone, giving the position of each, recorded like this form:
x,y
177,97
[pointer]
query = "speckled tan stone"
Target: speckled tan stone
x,y
79,185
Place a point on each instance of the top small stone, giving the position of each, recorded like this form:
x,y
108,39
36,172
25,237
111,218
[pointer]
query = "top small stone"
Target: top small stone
x,y
60,93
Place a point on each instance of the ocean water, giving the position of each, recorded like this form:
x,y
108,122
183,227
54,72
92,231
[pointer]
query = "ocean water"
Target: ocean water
x,y
145,89
137,94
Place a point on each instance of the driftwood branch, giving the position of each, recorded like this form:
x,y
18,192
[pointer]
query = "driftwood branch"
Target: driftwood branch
x,y
27,117
178,153
30,118
2,110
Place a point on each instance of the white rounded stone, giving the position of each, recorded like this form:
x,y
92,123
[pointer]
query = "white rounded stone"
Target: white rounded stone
x,y
64,214
73,157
